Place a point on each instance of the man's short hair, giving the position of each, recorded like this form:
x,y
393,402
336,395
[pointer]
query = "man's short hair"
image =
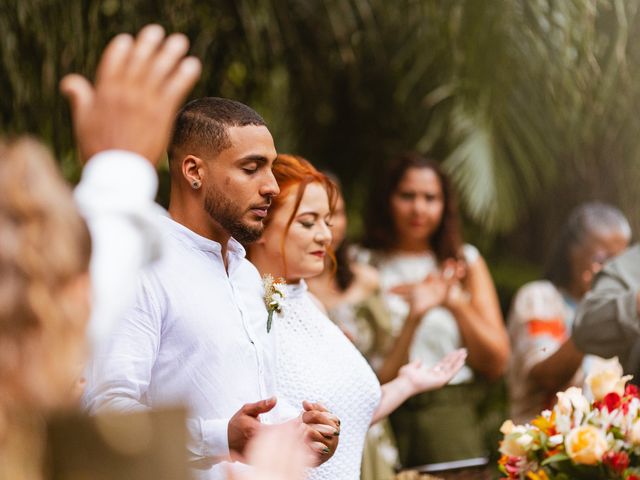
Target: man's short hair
x,y
201,126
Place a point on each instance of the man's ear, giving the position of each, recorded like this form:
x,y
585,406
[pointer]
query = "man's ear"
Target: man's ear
x,y
192,170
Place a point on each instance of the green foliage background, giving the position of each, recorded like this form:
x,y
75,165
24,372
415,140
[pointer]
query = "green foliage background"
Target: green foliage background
x,y
532,105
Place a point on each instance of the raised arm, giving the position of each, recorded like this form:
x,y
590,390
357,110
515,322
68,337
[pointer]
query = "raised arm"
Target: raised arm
x,y
140,83
414,378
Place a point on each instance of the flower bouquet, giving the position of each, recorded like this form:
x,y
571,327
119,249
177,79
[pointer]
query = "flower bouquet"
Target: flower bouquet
x,y
583,437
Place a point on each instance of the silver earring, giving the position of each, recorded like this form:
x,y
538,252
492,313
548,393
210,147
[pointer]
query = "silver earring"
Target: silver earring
x,y
196,184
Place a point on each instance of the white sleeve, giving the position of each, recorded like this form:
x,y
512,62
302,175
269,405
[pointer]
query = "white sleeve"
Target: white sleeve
x,y
119,374
116,197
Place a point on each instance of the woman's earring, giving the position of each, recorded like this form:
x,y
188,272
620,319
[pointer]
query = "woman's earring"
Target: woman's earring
x,y
196,184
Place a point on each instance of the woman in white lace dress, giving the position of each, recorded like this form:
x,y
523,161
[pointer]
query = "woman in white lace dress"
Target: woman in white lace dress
x,y
315,359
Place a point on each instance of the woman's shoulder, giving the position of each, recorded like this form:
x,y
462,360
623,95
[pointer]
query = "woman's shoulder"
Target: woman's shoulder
x,y
539,299
470,253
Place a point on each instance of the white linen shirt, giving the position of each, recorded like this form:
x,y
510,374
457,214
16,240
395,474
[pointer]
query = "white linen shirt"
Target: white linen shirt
x,y
196,336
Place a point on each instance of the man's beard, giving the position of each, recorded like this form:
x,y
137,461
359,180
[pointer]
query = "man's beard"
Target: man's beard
x,y
229,216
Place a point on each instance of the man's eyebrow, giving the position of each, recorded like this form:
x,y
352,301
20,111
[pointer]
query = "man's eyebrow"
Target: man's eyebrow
x,y
253,158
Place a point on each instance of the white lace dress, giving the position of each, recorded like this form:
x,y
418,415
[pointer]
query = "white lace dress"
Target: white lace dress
x,y
316,362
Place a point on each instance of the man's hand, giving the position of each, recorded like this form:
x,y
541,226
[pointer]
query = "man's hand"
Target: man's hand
x,y
140,84
244,425
322,430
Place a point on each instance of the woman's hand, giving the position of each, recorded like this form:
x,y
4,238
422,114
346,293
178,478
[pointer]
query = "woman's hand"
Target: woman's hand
x,y
423,379
413,378
435,290
423,296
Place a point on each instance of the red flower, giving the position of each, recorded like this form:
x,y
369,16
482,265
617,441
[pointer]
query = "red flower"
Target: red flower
x,y
632,477
632,391
617,461
612,401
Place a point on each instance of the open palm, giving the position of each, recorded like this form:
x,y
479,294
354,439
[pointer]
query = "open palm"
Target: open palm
x,y
424,378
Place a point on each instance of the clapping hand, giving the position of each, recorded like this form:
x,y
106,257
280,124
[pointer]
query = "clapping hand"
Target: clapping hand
x,y
425,295
140,84
423,379
433,291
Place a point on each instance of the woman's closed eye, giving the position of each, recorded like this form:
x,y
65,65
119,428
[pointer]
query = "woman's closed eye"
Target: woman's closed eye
x,y
307,224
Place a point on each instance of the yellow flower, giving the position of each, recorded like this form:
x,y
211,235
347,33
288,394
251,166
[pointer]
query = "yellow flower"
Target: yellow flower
x,y
539,475
517,442
507,427
634,434
586,444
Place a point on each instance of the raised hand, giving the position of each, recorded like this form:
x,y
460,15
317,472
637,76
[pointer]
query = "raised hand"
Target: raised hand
x,y
423,379
321,431
140,84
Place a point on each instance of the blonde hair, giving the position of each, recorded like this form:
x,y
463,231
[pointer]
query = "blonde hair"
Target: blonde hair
x,y
44,248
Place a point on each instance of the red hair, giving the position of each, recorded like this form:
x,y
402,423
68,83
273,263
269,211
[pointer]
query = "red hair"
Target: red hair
x,y
293,171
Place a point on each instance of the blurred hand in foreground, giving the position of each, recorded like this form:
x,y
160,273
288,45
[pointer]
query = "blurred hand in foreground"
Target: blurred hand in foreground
x,y
275,453
140,84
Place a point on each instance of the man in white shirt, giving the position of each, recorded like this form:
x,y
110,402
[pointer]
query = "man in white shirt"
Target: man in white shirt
x,y
197,334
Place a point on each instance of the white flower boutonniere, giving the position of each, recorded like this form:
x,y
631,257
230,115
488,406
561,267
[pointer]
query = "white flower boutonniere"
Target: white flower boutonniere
x,y
273,297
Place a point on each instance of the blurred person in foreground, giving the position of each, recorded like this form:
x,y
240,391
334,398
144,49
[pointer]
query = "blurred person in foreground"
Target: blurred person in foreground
x,y
45,247
545,360
412,236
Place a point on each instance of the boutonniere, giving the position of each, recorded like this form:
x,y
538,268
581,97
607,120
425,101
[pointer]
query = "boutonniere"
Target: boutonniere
x,y
273,297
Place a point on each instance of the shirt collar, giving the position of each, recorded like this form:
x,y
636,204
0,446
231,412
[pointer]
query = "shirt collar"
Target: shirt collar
x,y
194,240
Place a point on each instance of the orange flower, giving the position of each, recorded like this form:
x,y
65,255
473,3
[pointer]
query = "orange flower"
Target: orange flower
x,y
539,475
554,451
546,425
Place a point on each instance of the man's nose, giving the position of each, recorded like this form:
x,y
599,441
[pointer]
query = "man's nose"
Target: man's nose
x,y
270,186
